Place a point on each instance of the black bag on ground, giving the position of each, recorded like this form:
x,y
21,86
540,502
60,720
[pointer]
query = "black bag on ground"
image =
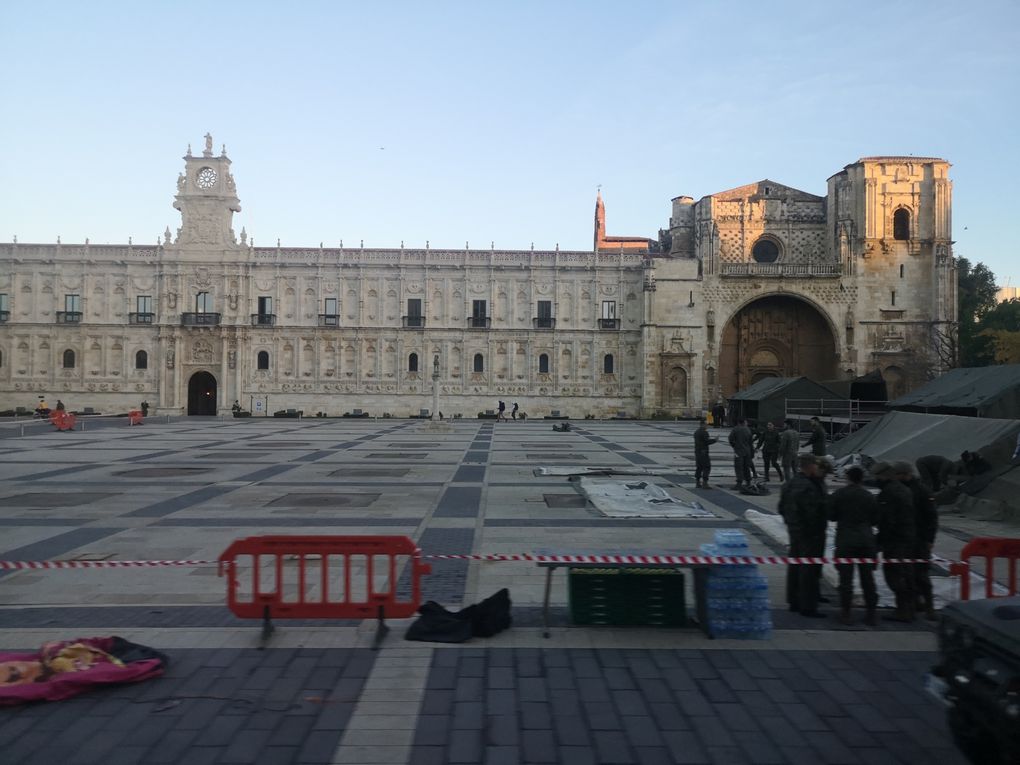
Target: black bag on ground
x,y
437,625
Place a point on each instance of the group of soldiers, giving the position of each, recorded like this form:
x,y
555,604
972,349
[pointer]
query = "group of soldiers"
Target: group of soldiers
x,y
906,521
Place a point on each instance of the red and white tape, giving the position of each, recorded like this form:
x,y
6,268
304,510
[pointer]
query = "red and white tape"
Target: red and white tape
x,y
631,560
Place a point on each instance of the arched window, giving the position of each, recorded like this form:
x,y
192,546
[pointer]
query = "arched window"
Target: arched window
x,y
901,224
765,251
68,359
479,363
263,360
141,360
543,364
412,362
608,364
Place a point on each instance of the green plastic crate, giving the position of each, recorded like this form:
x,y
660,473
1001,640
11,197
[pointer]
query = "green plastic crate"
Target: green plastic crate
x,y
627,596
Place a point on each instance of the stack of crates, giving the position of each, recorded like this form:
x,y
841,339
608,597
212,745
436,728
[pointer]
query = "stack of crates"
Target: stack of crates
x,y
737,597
627,596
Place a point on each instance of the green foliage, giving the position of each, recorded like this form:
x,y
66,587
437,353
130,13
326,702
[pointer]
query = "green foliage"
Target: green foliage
x,y
976,293
1001,328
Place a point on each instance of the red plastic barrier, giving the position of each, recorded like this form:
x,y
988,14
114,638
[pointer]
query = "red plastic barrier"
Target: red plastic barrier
x,y
62,419
991,549
320,577
135,417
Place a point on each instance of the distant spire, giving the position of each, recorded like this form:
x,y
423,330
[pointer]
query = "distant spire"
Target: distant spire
x,y
600,218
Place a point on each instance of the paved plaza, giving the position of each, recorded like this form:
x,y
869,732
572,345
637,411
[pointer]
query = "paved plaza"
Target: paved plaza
x,y
183,489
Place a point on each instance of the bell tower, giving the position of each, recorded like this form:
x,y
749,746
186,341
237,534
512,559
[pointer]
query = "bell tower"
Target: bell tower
x,y
207,199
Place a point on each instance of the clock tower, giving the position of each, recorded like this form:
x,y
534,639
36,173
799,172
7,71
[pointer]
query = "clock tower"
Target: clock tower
x,y
207,199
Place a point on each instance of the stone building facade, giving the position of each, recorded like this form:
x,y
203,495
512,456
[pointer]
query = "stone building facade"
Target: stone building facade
x,y
757,281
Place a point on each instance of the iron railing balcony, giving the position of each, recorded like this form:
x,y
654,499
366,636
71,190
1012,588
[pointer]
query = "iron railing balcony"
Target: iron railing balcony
x,y
479,322
200,319
329,320
141,318
263,319
5,316
609,323
68,317
544,322
413,322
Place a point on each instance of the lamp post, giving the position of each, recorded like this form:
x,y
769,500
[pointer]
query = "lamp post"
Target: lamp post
x,y
435,386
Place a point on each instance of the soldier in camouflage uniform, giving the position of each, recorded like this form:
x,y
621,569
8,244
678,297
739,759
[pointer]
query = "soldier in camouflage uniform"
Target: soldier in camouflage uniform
x,y
855,512
702,460
926,520
802,505
897,537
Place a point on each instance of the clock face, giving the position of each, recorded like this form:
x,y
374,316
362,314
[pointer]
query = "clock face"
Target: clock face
x,y
206,178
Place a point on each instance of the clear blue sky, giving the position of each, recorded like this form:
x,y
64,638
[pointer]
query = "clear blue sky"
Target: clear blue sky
x,y
455,122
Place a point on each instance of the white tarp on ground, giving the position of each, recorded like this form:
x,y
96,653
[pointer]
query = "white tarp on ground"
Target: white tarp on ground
x,y
638,499
945,588
909,435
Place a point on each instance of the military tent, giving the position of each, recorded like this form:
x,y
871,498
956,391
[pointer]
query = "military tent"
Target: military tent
x,y
970,392
767,399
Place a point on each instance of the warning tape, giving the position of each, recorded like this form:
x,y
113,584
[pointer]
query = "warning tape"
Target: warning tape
x,y
631,560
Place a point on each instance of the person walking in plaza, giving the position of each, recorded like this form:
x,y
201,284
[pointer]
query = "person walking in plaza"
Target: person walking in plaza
x,y
802,505
934,471
768,442
513,411
926,522
855,512
718,414
702,460
501,412
743,452
897,533
816,439
789,445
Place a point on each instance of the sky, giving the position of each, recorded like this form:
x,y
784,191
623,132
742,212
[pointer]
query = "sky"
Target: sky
x,y
482,122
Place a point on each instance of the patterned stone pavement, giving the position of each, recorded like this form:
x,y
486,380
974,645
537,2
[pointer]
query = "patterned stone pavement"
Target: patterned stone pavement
x,y
184,489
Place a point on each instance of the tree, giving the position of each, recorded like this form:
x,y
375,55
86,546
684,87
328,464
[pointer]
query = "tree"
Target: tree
x,y
976,291
1001,326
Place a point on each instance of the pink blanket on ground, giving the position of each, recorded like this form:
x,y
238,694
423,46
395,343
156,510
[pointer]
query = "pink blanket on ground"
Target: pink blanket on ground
x,y
67,668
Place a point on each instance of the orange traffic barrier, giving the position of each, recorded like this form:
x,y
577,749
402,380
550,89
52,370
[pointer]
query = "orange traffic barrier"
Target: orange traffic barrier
x,y
322,577
62,420
991,549
135,417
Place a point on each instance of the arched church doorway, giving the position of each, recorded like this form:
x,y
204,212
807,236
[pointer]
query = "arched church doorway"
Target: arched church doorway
x,y
202,394
776,336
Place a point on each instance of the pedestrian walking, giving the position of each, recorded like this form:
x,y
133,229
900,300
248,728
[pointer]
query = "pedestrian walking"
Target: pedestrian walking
x,y
743,452
789,445
768,442
897,534
855,512
501,412
802,505
513,411
718,414
702,460
816,439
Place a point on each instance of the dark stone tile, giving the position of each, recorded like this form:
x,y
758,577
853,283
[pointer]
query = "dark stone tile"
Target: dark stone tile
x,y
538,746
685,748
572,731
318,747
611,748
642,731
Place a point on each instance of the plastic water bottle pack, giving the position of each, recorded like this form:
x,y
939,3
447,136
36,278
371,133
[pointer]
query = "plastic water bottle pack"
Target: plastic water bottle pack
x,y
737,598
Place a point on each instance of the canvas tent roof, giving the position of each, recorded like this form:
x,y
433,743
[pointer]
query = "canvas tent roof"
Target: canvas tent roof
x,y
767,399
772,386
974,391
909,435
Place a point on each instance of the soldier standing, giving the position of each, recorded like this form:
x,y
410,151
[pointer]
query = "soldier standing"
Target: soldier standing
x,y
817,438
702,461
768,442
855,512
743,452
897,533
802,505
789,444
926,521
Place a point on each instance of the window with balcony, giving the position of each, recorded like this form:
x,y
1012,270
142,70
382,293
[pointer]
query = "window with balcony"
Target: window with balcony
x,y
68,359
262,360
479,364
412,362
143,311
479,315
331,315
265,317
545,319
203,302
608,318
72,310
543,364
414,318
141,360
203,315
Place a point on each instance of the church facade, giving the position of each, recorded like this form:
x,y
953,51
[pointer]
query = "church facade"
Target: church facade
x,y
762,280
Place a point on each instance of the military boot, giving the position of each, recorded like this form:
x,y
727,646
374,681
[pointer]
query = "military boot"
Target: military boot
x,y
845,617
870,618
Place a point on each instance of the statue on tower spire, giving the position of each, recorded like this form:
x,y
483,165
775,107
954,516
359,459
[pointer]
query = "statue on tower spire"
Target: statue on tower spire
x,y
208,145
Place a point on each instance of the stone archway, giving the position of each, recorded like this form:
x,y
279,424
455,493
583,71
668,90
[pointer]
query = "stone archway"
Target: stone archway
x,y
202,394
776,336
